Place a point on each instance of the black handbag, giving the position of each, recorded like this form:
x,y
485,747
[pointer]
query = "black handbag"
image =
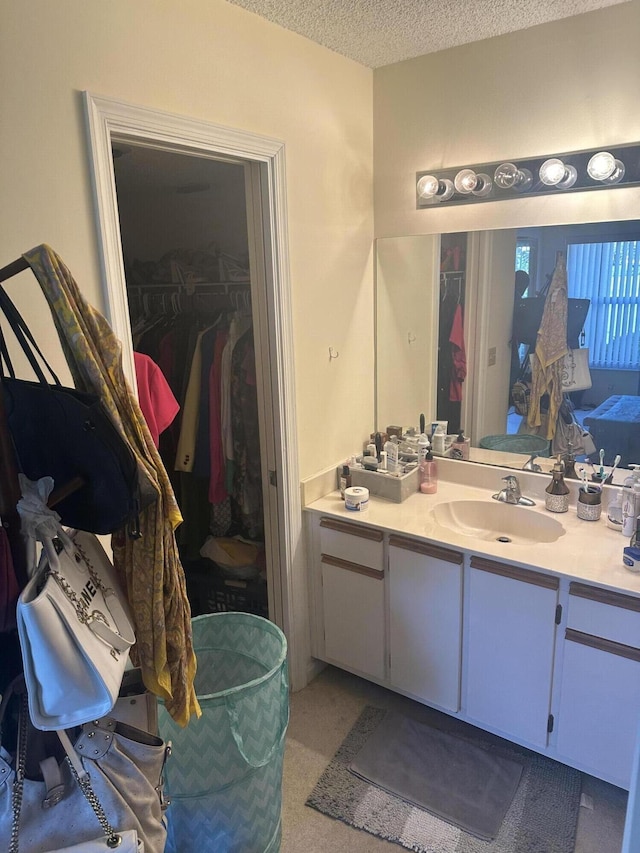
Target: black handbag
x,y
527,317
68,435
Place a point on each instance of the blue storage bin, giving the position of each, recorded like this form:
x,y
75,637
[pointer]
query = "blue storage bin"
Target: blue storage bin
x,y
224,777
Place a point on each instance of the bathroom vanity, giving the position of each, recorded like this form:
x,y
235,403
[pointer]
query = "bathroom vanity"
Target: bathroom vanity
x,y
536,639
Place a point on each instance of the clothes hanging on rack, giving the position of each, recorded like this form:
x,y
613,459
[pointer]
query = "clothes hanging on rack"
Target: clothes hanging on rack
x,y
151,565
217,476
156,399
458,356
451,299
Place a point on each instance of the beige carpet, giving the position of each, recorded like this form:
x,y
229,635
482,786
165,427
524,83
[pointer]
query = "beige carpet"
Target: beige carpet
x,y
321,716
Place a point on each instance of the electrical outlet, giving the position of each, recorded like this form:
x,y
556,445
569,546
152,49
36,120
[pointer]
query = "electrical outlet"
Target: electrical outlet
x,y
492,357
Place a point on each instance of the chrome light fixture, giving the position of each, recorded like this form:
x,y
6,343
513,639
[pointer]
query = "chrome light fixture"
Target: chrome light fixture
x,y
573,171
508,176
606,168
555,173
430,187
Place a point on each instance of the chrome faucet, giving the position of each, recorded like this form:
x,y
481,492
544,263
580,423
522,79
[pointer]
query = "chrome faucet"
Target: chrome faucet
x,y
511,493
531,464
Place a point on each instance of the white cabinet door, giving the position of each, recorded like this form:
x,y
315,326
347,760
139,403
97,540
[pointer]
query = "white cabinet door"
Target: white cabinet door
x,y
599,703
599,706
353,601
425,604
510,647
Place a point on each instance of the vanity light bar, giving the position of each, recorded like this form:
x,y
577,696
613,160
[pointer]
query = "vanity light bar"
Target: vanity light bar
x,y
570,172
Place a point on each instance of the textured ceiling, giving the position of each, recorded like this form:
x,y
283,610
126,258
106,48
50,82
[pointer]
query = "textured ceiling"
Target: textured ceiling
x,y
379,32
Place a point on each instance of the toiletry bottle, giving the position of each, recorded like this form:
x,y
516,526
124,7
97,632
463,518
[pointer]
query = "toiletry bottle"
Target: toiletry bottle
x,y
633,477
460,447
614,511
391,449
635,539
557,492
630,509
428,473
570,464
437,440
345,480
423,445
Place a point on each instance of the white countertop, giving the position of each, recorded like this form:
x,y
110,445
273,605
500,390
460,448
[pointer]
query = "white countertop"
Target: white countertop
x,y
588,551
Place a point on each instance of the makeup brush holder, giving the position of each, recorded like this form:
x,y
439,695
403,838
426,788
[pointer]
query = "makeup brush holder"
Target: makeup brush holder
x,y
589,507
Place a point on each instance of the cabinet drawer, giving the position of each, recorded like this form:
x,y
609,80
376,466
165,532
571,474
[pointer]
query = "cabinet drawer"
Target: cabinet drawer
x,y
352,542
604,613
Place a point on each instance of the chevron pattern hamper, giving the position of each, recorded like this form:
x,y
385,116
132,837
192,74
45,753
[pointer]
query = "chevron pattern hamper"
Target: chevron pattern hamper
x,y
224,778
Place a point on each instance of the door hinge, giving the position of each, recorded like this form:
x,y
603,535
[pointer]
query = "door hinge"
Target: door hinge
x,y
558,614
550,723
273,478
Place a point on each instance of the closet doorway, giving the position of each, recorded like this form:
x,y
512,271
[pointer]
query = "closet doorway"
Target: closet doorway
x,y
264,298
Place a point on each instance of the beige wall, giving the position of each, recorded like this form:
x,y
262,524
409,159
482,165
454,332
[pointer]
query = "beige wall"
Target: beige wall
x,y
213,61
563,86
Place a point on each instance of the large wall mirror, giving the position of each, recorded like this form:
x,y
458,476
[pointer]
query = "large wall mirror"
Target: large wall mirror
x,y
449,304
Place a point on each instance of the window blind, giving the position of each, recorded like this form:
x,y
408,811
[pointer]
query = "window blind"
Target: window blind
x,y
608,274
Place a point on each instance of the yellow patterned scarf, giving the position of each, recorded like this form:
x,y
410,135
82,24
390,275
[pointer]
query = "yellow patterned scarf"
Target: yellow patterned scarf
x,y
150,565
551,347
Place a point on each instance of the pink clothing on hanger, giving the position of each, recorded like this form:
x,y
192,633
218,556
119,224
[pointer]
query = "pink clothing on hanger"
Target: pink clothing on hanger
x,y
156,399
458,355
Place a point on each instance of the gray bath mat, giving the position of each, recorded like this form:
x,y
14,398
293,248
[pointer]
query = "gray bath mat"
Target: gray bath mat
x,y
464,783
542,817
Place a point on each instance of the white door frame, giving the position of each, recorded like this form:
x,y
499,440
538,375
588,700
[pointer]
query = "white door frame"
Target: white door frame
x,y
266,210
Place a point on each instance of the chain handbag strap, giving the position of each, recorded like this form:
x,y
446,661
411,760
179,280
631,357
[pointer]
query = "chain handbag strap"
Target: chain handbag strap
x,y
18,782
113,839
82,610
116,626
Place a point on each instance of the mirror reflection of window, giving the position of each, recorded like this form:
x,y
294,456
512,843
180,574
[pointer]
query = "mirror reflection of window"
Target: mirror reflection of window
x,y
609,275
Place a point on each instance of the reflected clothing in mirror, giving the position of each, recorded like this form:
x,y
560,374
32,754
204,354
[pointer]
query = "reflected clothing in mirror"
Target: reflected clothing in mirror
x,y
451,350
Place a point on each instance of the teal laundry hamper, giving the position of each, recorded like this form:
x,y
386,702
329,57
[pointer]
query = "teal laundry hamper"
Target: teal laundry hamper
x,y
224,777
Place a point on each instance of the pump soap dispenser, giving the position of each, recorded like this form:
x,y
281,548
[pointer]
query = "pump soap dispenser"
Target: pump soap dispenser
x,y
557,492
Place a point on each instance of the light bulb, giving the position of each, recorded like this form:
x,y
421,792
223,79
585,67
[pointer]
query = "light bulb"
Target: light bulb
x,y
555,173
604,167
427,186
508,176
430,187
465,181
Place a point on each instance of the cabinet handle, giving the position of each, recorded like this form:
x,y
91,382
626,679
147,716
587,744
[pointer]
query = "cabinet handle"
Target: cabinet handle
x,y
351,567
604,596
352,529
427,549
515,572
603,645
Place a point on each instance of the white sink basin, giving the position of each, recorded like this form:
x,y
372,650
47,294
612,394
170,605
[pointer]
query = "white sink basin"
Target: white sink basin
x,y
493,520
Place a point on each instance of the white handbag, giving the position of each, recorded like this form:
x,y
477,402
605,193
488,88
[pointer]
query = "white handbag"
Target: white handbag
x,y
75,631
575,371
